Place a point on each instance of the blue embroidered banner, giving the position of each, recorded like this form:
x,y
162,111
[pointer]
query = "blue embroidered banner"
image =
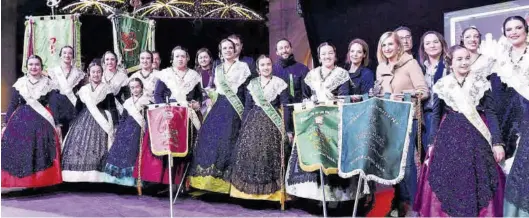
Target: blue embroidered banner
x,y
374,138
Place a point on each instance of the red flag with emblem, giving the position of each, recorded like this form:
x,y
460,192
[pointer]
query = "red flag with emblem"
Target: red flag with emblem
x,y
168,129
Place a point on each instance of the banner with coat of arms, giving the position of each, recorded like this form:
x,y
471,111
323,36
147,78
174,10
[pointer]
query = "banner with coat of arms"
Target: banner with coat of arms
x,y
316,137
168,129
42,38
131,37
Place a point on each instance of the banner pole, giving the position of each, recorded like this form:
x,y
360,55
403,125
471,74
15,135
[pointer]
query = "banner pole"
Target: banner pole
x,y
282,152
358,186
181,183
323,192
170,163
142,134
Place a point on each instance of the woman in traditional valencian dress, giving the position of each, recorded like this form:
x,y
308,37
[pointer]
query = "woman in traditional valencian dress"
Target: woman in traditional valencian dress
x,y
68,80
116,78
92,132
326,82
212,156
461,176
257,161
471,40
124,151
147,74
179,84
30,142
512,67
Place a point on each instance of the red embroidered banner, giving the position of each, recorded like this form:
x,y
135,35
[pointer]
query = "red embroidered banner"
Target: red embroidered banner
x,y
168,129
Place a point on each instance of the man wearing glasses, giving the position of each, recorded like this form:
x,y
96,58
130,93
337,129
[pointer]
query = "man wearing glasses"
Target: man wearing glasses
x,y
406,40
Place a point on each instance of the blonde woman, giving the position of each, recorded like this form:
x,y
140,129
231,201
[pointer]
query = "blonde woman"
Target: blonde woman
x,y
398,73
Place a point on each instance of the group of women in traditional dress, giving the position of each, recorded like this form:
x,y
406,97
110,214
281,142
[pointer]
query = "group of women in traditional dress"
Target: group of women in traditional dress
x,y
465,117
242,129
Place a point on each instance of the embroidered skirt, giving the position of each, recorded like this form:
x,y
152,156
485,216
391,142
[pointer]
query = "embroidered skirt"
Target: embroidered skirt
x,y
85,150
212,156
308,185
257,159
123,153
517,187
30,151
460,177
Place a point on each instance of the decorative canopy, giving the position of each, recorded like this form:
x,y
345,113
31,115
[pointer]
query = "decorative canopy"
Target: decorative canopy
x,y
220,9
98,7
206,9
167,8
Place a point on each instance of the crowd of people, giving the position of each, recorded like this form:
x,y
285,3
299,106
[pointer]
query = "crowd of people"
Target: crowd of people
x,y
65,125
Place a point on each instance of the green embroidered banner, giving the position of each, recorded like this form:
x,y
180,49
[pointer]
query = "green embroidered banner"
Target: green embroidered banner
x,y
317,138
131,37
374,139
43,38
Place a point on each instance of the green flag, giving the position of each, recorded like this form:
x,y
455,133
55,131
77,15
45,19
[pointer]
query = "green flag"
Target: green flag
x,y
374,139
317,138
46,35
131,37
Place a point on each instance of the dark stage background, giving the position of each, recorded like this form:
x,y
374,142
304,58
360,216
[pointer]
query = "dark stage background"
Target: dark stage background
x,y
96,32
340,21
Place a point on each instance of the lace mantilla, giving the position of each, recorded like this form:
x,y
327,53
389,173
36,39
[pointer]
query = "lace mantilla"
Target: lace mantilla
x,y
235,77
129,104
337,77
98,95
116,81
33,91
475,87
179,86
74,77
483,65
465,99
149,83
270,91
135,109
514,75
